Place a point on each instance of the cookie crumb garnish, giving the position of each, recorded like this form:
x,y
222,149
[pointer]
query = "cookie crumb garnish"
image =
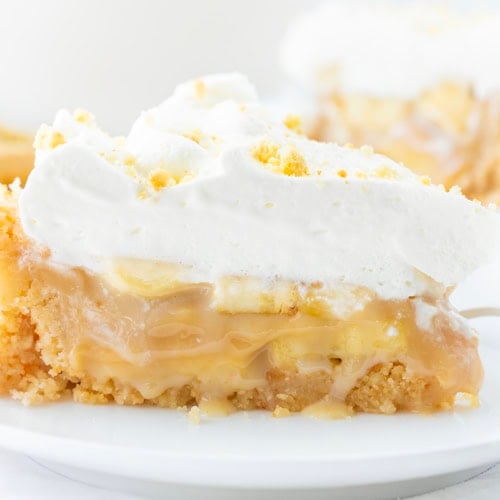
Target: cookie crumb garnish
x,y
267,153
281,412
294,164
160,179
200,89
83,116
142,194
194,415
290,163
385,172
293,123
47,138
195,135
129,160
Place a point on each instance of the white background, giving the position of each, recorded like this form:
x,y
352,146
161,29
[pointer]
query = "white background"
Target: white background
x,y
119,57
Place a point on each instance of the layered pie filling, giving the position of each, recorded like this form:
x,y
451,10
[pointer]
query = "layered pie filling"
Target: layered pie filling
x,y
398,77
214,257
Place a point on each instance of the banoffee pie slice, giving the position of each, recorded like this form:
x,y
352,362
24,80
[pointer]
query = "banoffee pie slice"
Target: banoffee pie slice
x,y
417,80
214,258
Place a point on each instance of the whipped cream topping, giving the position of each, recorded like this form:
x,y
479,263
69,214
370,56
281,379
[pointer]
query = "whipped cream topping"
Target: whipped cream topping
x,y
210,182
393,48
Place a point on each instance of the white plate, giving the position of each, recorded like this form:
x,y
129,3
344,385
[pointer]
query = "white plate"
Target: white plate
x,y
150,446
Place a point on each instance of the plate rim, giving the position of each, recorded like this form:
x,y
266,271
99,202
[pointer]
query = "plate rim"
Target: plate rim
x,y
259,473
229,469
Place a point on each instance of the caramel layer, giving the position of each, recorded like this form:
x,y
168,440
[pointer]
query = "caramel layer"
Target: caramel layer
x,y
181,340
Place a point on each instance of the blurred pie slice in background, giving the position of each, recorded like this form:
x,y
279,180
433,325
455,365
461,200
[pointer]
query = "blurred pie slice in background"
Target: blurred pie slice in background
x,y
415,80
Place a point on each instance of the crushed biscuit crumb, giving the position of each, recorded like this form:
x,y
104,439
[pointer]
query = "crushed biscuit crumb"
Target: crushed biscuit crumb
x,y
129,160
293,123
281,412
200,89
194,415
267,153
195,135
290,163
342,173
466,400
47,138
385,172
294,164
83,116
131,171
160,179
57,139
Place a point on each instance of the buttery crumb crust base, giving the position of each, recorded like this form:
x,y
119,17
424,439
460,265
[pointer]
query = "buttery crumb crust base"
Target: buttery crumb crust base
x,y
447,133
41,361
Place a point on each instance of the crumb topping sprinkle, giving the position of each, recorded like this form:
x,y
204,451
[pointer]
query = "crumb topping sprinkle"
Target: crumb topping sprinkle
x,y
47,138
190,134
288,162
293,123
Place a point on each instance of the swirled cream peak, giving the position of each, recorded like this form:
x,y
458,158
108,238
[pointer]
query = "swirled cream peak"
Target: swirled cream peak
x,y
393,48
210,183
